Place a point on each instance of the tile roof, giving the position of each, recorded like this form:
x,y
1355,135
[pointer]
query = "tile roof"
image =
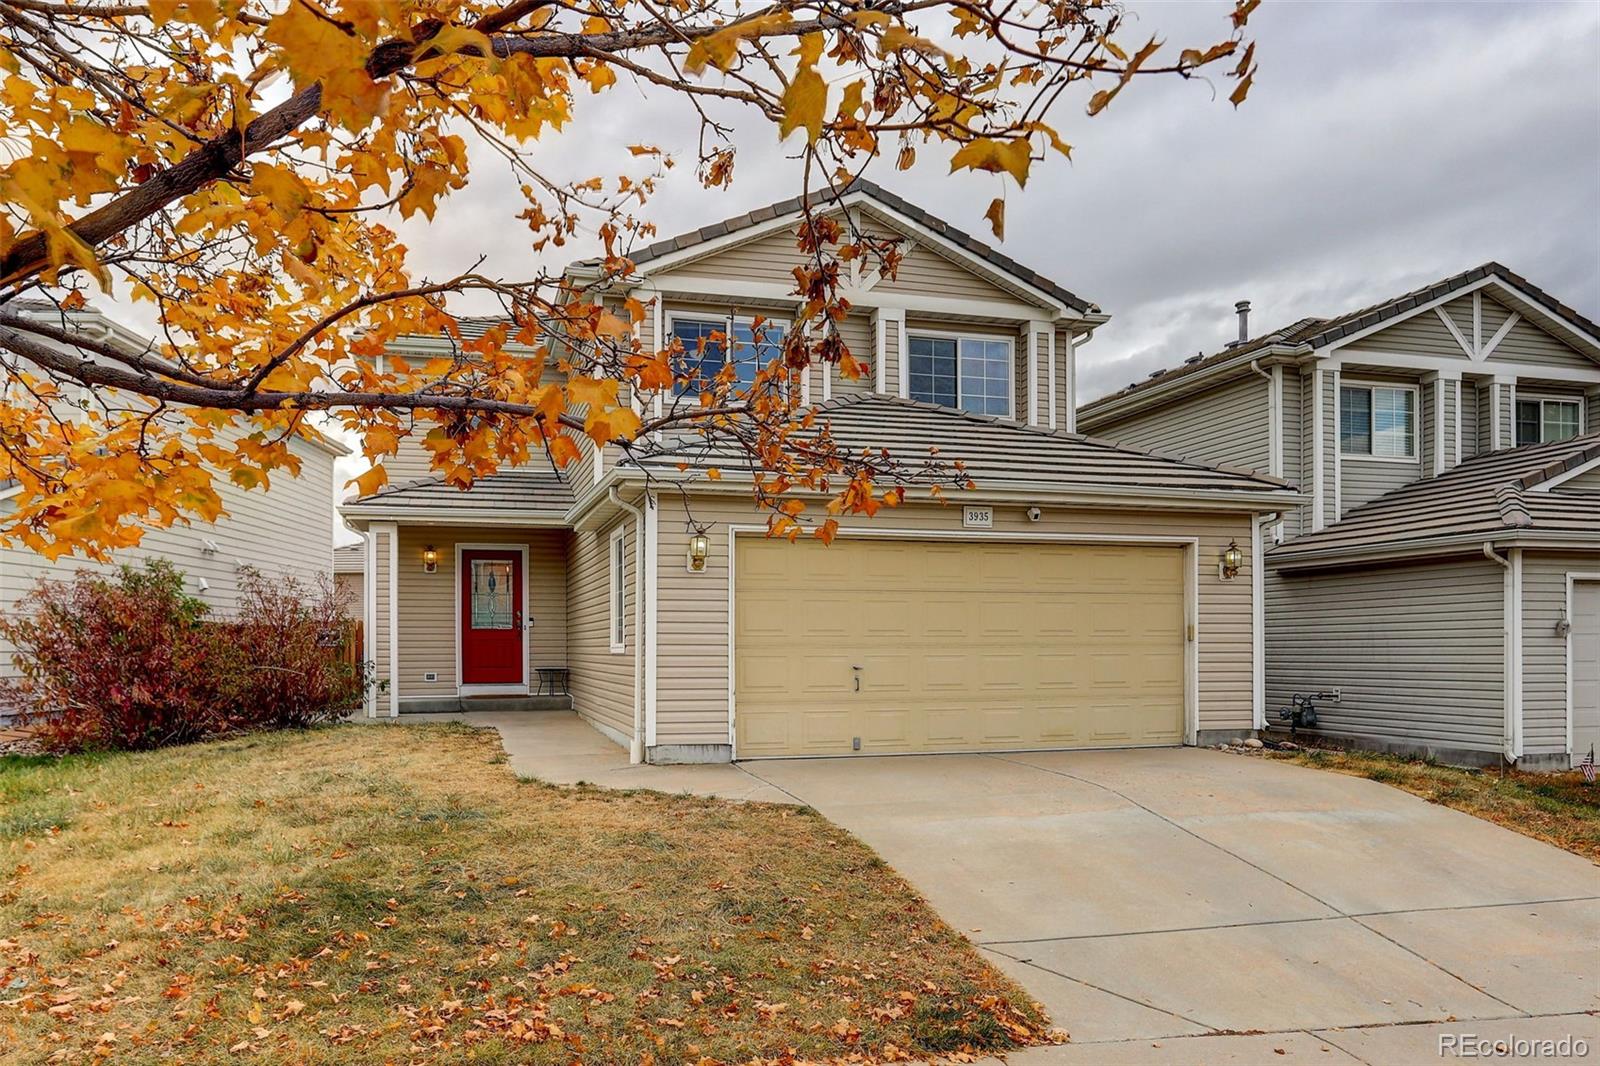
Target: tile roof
x,y
986,252
1490,497
1003,454
1317,332
537,491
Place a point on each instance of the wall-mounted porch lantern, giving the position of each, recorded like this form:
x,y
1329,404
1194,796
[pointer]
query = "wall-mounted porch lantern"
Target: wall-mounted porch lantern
x,y
699,548
430,560
1232,560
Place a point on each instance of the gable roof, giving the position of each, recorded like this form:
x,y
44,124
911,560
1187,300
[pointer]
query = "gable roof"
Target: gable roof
x,y
1316,332
871,190
1007,456
1494,497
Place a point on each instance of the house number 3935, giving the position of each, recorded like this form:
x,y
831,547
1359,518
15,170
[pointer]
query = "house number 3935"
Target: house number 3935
x,y
977,517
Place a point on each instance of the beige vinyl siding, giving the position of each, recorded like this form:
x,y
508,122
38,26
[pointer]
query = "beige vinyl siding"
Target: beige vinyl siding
x,y
1227,425
1485,419
1417,651
1527,343
429,603
926,273
1331,381
1366,479
1589,481
1507,416
1469,419
1306,474
286,529
602,681
692,609
1544,653
1063,398
1421,334
351,591
773,257
382,630
856,331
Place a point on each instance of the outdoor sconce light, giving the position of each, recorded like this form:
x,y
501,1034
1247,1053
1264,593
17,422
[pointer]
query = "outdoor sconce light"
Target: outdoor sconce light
x,y
699,548
1563,626
1232,560
430,560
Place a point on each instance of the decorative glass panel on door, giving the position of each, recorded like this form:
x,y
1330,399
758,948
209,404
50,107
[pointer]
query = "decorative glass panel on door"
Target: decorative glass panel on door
x,y
492,606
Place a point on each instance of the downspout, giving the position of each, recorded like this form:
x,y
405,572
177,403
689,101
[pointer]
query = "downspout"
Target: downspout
x,y
636,748
1258,618
1513,651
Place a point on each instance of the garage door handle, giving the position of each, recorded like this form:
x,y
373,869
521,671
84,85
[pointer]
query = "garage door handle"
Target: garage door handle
x,y
857,677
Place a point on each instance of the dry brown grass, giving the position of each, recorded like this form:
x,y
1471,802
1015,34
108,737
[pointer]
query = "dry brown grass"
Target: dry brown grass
x,y
366,894
1558,808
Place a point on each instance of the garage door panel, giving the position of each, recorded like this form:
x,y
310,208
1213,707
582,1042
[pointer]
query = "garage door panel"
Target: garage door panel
x,y
963,646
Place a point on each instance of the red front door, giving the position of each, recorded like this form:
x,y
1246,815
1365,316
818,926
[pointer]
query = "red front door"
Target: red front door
x,y
491,618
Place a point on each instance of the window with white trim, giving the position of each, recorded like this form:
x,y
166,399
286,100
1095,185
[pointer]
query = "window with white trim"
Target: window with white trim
x,y
618,599
1378,421
1545,421
972,373
705,341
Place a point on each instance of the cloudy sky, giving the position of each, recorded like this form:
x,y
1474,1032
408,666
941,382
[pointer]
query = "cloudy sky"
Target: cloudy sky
x,y
1383,146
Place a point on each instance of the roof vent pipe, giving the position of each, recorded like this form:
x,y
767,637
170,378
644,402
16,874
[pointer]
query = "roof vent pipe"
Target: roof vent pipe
x,y
1243,308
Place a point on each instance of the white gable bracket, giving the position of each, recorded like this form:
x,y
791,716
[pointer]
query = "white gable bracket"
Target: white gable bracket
x,y
1455,332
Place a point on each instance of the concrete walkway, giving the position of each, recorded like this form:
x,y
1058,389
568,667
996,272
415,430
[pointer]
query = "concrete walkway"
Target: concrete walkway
x,y
560,748
1182,906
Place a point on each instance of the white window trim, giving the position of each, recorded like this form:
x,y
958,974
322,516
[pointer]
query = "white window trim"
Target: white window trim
x,y
1415,458
1541,399
728,321
617,615
909,335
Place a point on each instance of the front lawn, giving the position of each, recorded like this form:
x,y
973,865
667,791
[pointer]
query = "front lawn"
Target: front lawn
x,y
369,894
1558,808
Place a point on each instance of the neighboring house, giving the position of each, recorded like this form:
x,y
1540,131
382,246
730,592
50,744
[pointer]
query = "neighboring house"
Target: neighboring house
x,y
285,529
1452,533
1075,598
349,566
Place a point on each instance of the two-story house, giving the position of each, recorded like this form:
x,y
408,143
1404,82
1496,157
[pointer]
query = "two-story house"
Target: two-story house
x,y
285,528
1082,595
1443,576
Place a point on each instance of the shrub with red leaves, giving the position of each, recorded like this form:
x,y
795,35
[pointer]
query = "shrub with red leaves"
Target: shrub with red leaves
x,y
133,662
285,669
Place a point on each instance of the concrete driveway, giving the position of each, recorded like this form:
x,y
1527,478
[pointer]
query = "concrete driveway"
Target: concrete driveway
x,y
1154,900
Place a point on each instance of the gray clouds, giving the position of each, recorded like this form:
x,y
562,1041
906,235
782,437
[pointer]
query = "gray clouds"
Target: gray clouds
x,y
1383,146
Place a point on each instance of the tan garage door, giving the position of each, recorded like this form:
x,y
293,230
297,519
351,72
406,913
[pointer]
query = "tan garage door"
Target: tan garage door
x,y
878,645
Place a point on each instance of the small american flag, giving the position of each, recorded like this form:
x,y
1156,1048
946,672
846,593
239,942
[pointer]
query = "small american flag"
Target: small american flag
x,y
1587,766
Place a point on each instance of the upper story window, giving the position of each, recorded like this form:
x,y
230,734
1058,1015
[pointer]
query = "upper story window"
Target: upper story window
x,y
705,344
1378,421
972,373
1544,421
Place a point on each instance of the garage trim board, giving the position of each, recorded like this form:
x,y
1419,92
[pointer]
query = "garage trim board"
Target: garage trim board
x,y
1190,573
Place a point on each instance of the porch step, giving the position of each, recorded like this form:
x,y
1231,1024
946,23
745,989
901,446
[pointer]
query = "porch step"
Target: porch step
x,y
453,704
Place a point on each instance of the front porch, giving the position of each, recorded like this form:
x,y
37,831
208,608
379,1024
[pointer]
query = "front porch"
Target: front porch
x,y
467,617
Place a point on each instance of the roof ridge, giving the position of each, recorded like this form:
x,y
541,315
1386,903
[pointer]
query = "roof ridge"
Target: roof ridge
x,y
1513,509
1567,462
